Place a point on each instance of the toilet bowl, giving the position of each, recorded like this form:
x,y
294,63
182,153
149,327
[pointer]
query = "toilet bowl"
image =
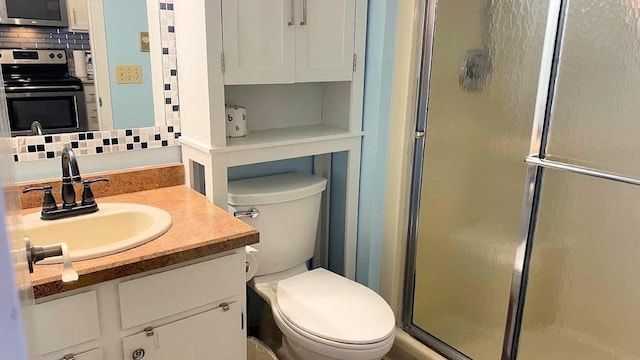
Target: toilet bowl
x,y
325,316
322,315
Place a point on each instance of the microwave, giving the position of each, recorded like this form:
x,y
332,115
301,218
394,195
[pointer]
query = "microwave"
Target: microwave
x,y
34,12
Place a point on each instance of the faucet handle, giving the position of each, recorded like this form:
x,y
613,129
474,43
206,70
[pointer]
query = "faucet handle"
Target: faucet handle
x,y
87,193
48,201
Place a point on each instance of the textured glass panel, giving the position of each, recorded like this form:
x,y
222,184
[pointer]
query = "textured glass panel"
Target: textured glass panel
x,y
595,114
583,298
478,133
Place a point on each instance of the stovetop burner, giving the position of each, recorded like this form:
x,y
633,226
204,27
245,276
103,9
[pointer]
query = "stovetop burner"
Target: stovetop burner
x,y
22,67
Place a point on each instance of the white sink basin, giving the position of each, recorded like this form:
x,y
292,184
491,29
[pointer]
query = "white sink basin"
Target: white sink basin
x,y
114,228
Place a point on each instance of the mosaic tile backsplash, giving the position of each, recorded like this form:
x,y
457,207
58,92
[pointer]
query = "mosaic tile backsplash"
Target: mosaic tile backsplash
x,y
44,37
109,141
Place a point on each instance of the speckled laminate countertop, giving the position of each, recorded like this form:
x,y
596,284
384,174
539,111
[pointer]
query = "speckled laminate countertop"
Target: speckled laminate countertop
x,y
199,229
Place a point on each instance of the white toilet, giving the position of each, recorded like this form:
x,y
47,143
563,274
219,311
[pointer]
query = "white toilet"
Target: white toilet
x,y
321,315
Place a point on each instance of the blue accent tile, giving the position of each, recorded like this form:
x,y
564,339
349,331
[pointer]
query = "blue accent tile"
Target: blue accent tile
x,y
144,145
82,137
174,72
105,142
99,150
136,139
129,146
167,86
169,6
167,101
89,136
163,6
165,143
157,137
15,157
176,108
128,132
31,148
40,147
75,145
170,129
50,155
177,135
172,29
48,139
114,141
165,51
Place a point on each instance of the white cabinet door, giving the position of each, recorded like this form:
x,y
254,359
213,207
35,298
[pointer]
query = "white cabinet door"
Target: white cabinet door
x,y
258,41
78,13
213,335
324,40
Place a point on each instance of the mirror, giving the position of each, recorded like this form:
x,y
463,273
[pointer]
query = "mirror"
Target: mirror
x,y
126,73
127,88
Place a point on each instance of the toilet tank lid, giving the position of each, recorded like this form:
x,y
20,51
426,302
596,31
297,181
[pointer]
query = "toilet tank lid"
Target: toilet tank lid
x,y
274,189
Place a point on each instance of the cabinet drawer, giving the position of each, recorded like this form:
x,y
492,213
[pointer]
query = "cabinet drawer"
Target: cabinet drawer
x,y
214,335
77,315
156,296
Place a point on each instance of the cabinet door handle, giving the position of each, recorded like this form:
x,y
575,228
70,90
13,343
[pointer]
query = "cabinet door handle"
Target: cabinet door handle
x,y
304,13
292,14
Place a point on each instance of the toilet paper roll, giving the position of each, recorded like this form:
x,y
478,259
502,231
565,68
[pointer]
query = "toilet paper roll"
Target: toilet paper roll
x,y
236,121
80,63
251,262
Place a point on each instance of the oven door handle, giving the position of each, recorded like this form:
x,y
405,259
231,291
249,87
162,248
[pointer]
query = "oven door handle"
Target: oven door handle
x,y
54,87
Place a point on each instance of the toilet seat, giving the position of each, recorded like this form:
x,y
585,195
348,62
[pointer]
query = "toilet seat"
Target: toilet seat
x,y
333,310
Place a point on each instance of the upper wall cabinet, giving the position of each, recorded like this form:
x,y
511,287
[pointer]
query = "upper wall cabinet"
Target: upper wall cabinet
x,y
78,14
286,41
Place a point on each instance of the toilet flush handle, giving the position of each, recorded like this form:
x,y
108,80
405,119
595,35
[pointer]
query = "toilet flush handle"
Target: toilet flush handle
x,y
252,213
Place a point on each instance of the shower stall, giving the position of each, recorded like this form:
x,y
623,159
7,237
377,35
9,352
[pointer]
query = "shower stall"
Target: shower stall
x,y
525,214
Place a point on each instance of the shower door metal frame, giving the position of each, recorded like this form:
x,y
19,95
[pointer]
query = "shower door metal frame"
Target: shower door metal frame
x,y
535,164
420,134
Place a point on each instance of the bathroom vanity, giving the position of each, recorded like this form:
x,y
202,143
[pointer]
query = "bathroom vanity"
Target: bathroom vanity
x,y
181,296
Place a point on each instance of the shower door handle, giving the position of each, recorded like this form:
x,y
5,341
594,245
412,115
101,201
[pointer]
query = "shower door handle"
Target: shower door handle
x,y
576,169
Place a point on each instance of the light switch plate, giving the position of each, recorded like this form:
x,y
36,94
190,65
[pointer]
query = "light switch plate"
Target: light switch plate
x,y
144,41
129,74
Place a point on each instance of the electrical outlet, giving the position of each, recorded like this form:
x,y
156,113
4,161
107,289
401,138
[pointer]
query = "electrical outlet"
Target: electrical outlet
x,y
129,74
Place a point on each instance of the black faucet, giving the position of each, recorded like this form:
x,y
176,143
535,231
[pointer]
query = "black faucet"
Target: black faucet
x,y
70,175
36,128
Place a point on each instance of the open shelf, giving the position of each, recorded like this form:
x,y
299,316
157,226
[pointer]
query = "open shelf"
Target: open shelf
x,y
286,136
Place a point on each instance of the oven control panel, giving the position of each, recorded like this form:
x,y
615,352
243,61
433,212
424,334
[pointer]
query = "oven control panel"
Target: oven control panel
x,y
24,56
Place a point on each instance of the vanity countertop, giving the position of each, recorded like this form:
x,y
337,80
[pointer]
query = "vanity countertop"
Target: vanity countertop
x,y
199,229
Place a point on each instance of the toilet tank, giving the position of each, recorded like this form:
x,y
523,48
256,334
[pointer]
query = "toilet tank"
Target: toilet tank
x,y
289,209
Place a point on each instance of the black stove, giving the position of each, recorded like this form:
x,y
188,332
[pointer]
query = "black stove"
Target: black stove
x,y
35,67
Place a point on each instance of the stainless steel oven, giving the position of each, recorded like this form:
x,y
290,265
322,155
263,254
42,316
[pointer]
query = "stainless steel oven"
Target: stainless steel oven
x,y
34,12
39,89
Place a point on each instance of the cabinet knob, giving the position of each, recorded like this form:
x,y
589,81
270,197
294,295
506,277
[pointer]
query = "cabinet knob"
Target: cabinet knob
x,y
137,354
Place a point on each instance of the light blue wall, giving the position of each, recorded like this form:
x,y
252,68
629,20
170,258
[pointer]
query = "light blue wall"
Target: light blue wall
x,y
381,32
337,207
303,165
132,104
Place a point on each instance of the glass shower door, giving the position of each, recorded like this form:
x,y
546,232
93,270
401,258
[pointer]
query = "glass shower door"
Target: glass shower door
x,y
484,75
583,293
